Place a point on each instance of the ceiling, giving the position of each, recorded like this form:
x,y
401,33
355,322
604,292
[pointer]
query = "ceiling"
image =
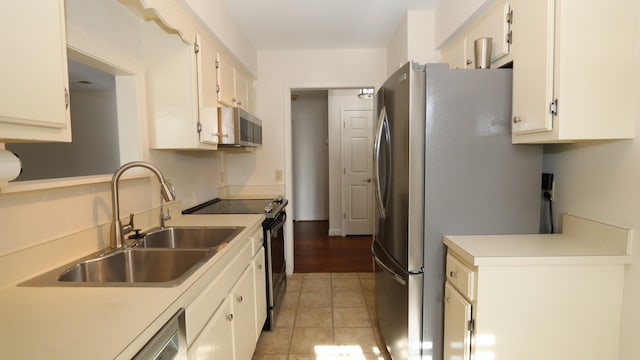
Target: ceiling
x,y
86,78
322,24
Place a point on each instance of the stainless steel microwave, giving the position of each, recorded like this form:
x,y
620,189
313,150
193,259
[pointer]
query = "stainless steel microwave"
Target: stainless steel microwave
x,y
238,128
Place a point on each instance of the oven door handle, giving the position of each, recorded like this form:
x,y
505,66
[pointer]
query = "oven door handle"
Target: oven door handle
x,y
278,222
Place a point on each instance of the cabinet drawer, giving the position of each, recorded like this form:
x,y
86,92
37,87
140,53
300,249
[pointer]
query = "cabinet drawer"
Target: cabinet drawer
x,y
257,240
461,277
201,309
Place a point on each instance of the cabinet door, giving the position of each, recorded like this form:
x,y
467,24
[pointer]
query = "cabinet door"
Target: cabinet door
x,y
216,339
207,92
244,315
497,26
533,53
457,317
226,85
241,90
260,290
34,85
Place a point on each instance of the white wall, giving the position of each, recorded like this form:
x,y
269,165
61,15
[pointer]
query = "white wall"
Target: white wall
x,y
215,16
600,180
421,34
310,129
414,40
30,218
398,48
278,72
453,15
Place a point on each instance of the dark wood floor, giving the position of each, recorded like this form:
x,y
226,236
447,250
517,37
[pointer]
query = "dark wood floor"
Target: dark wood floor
x,y
315,251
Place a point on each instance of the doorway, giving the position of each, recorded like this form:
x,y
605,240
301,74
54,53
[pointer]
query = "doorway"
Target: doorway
x,y
331,157
331,135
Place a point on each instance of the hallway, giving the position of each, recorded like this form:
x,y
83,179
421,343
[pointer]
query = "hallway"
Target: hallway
x,y
316,252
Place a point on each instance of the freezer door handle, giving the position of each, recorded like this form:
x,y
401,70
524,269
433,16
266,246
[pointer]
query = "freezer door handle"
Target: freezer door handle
x,y
382,121
394,275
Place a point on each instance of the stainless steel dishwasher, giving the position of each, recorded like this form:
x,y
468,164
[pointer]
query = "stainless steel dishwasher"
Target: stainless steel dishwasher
x,y
169,343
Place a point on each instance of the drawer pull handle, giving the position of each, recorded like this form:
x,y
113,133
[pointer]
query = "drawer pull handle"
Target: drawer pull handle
x,y
239,298
229,317
453,274
259,266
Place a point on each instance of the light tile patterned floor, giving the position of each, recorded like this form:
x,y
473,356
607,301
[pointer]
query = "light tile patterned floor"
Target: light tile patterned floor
x,y
324,316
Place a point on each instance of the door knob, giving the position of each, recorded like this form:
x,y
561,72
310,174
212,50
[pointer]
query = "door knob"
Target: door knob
x,y
367,180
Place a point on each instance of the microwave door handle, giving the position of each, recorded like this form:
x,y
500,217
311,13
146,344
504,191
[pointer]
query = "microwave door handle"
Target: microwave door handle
x,y
376,161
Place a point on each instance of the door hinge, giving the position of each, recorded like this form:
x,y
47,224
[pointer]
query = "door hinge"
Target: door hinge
x,y
199,127
196,47
344,215
217,64
509,20
344,171
217,88
553,107
471,325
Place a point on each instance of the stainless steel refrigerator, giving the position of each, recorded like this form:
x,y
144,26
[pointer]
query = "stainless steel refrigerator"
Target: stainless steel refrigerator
x,y
443,164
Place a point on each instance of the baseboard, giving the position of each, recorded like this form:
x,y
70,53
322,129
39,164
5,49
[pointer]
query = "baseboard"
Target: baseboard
x,y
335,232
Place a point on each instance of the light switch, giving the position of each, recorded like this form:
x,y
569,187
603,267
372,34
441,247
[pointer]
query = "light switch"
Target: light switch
x,y
279,175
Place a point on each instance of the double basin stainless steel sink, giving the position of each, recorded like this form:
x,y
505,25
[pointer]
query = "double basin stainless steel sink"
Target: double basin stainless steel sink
x,y
162,258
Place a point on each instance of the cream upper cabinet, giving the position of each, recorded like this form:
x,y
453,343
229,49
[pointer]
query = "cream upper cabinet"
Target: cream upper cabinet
x,y
232,85
207,92
181,91
573,70
34,87
496,24
241,90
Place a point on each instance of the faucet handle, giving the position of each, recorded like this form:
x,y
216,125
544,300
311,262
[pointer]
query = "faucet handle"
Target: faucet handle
x,y
127,228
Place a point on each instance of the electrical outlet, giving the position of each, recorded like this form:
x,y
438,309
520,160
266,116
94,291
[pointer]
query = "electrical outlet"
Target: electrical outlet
x,y
278,175
548,186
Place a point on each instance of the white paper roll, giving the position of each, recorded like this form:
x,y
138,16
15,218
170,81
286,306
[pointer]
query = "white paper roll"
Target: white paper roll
x,y
10,165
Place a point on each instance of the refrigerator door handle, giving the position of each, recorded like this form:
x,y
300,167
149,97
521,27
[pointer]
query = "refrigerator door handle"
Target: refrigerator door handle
x,y
376,161
394,275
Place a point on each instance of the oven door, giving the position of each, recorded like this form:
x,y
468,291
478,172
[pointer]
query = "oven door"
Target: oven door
x,y
276,264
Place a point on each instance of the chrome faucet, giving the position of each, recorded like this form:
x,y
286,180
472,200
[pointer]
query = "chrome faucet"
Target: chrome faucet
x,y
117,229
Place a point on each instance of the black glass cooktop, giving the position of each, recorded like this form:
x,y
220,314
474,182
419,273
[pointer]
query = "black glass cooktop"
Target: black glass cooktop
x,y
230,206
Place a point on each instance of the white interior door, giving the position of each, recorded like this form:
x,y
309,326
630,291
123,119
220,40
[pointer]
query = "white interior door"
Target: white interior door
x,y
357,160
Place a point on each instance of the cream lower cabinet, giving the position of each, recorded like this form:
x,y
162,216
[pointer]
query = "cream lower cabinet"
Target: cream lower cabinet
x,y
216,339
551,311
225,320
457,329
244,310
260,289
34,87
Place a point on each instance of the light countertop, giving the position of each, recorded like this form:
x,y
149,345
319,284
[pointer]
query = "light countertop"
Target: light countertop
x,y
583,241
104,322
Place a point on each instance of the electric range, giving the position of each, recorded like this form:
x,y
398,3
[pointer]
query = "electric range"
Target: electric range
x,y
274,241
